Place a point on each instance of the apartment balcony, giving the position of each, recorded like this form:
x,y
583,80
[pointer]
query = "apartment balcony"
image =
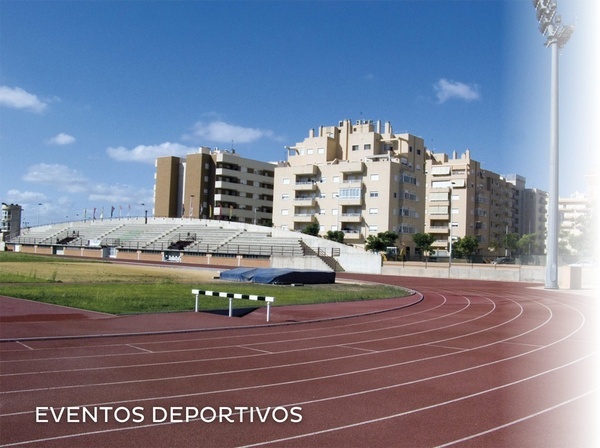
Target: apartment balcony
x,y
226,198
351,201
351,167
227,184
305,170
227,172
351,233
304,202
304,217
440,244
439,229
351,217
352,183
305,186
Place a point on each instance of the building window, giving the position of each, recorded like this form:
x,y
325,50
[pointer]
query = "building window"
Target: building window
x,y
336,179
349,193
286,181
407,179
320,150
285,196
374,177
285,212
373,229
374,194
410,196
437,196
354,147
373,211
367,147
438,210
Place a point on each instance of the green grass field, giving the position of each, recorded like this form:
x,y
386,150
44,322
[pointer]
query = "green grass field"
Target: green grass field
x,y
123,289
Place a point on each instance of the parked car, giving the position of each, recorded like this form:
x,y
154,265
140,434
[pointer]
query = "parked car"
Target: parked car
x,y
504,260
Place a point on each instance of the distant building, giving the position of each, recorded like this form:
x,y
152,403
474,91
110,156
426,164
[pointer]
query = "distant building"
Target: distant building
x,y
11,221
574,213
214,184
360,178
463,199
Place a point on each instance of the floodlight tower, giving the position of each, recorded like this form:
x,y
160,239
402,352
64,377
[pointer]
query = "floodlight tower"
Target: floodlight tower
x,y
557,36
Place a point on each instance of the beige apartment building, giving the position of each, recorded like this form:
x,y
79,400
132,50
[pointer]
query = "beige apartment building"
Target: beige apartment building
x,y
214,184
573,211
531,212
10,221
465,200
360,178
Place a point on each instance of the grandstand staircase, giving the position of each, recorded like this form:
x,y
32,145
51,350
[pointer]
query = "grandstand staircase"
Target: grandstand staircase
x,y
181,242
67,238
321,253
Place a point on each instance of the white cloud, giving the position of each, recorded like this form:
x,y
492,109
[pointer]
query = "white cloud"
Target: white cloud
x,y
61,177
25,197
17,98
221,132
68,180
119,194
61,139
148,154
447,90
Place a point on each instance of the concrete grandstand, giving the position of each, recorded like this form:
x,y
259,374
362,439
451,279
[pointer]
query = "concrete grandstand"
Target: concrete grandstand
x,y
193,241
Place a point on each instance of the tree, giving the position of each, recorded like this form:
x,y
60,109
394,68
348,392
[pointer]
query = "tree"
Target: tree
x,y
526,243
423,241
335,235
312,229
511,242
465,247
381,241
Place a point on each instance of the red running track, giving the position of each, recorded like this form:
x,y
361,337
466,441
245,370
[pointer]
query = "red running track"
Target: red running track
x,y
472,364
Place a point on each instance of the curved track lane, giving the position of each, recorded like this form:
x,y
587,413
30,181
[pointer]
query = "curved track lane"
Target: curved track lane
x,y
472,364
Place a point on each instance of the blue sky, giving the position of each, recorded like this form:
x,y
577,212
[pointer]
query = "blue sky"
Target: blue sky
x,y
92,92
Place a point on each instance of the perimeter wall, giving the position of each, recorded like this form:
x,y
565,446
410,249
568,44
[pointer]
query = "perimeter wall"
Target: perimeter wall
x,y
569,277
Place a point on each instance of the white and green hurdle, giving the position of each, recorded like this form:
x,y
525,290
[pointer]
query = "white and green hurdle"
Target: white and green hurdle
x,y
231,296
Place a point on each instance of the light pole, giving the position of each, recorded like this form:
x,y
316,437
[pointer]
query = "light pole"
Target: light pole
x,y
451,186
557,36
145,213
38,214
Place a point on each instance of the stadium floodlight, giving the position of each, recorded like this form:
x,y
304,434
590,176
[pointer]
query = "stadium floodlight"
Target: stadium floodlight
x,y
557,36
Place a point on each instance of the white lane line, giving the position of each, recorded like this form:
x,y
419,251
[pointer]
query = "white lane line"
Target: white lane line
x,y
522,419
253,349
424,408
287,352
358,348
304,380
262,335
24,345
339,428
335,324
234,346
139,348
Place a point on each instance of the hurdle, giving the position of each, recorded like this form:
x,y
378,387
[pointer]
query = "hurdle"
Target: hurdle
x,y
231,296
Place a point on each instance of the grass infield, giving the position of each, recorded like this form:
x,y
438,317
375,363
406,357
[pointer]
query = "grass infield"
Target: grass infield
x,y
124,289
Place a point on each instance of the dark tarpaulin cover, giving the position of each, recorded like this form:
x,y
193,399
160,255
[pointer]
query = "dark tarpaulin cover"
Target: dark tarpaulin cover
x,y
278,275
